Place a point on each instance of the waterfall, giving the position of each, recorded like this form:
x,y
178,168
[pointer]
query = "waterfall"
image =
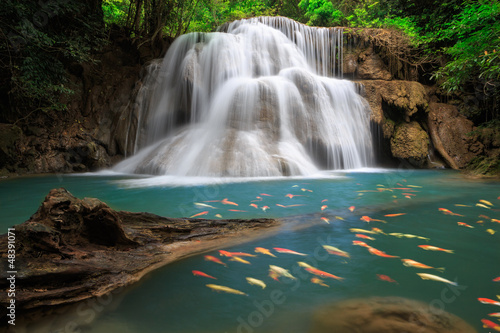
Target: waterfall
x,y
257,98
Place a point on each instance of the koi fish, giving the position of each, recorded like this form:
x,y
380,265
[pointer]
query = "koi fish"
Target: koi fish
x,y
364,236
462,224
258,199
489,324
214,259
227,202
324,200
282,272
486,202
305,189
488,301
369,219
490,231
360,243
378,231
265,208
497,279
321,273
352,208
386,278
256,282
434,248
379,253
223,253
324,207
218,215
495,314
425,276
288,206
481,205
199,204
336,251
264,251
289,195
394,215
237,210
460,205
200,273
254,206
319,282
495,220
304,264
414,186
416,264
282,250
362,231
448,212
324,219
484,216
339,218
237,254
238,259
274,276
265,194
199,214
400,235
225,289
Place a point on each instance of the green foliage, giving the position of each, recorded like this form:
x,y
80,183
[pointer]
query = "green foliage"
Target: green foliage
x,y
321,13
115,11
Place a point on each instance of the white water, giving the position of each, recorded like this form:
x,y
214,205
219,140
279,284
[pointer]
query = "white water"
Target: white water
x,y
253,101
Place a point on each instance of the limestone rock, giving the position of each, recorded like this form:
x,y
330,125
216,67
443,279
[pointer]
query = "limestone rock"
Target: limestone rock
x,y
410,142
371,67
10,136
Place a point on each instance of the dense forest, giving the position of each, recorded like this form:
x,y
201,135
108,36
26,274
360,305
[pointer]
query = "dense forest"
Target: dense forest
x,y
455,42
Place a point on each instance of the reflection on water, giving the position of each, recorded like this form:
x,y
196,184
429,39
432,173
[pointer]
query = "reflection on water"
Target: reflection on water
x,y
172,299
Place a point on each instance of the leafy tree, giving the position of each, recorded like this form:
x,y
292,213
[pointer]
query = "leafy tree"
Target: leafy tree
x,y
321,13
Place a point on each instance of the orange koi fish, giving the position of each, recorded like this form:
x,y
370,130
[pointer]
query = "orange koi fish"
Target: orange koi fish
x,y
386,278
495,220
434,248
360,243
416,264
497,279
324,207
448,212
318,272
264,251
258,199
494,314
379,253
488,301
273,275
227,202
369,219
237,254
462,224
265,194
282,250
289,195
319,282
200,214
237,210
254,206
489,324
484,217
214,259
288,206
364,236
394,215
352,208
378,231
200,273
325,220
412,194
324,200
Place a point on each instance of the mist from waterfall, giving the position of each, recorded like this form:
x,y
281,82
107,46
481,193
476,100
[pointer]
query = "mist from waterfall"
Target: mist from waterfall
x,y
256,99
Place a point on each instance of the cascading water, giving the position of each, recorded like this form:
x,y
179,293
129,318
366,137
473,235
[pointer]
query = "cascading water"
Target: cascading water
x,y
255,100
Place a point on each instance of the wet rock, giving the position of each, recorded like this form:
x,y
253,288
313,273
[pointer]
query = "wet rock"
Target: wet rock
x,y
73,249
386,315
371,66
10,135
411,143
452,135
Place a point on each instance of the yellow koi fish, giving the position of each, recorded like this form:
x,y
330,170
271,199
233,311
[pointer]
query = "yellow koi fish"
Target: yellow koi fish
x,y
416,264
320,282
486,202
362,231
425,276
264,251
490,231
336,251
225,289
481,205
238,259
400,235
256,282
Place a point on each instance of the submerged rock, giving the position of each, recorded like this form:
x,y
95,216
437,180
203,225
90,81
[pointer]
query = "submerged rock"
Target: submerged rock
x,y
386,315
73,249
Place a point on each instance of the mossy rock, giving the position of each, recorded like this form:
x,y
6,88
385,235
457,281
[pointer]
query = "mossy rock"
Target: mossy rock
x,y
411,143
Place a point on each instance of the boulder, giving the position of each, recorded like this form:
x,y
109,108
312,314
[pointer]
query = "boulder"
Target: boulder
x,y
411,143
371,66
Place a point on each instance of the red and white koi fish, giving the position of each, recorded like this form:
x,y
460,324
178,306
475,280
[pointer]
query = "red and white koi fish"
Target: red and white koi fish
x,y
488,301
199,214
369,219
379,253
264,251
324,219
463,224
494,314
227,202
200,273
489,324
336,251
360,243
265,208
352,208
318,281
364,236
214,259
394,215
416,264
324,207
321,273
386,278
289,195
282,250
434,248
